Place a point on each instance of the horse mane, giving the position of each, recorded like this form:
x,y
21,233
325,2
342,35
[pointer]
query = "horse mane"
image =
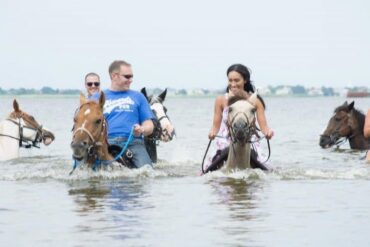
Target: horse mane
x,y
357,114
240,95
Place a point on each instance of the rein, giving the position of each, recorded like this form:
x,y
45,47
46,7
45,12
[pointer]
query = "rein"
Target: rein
x,y
98,162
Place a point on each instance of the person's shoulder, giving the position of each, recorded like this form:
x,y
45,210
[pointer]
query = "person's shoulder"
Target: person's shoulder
x,y
221,99
135,92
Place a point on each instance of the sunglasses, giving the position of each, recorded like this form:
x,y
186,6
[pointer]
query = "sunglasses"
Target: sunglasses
x,y
128,77
96,84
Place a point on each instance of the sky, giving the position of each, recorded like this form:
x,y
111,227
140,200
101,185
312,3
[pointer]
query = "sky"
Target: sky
x,y
185,44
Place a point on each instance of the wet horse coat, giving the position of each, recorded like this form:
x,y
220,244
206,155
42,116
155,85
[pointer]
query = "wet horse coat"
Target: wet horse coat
x,y
347,123
89,142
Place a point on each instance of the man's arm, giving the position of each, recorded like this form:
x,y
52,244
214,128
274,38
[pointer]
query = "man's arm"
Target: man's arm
x,y
145,129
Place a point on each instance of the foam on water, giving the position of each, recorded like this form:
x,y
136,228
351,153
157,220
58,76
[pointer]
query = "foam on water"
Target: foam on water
x,y
49,167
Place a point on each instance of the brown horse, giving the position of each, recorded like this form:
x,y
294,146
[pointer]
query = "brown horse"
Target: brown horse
x,y
347,123
20,129
89,142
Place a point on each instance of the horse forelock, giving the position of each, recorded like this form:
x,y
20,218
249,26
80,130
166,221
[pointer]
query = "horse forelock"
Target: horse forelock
x,y
238,96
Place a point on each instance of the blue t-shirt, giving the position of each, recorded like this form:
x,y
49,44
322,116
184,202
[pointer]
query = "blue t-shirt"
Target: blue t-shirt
x,y
123,109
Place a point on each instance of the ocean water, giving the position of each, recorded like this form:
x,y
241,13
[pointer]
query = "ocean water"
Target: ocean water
x,y
313,197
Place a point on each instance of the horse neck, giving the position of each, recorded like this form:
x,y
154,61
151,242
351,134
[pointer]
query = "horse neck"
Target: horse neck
x,y
358,141
239,156
9,147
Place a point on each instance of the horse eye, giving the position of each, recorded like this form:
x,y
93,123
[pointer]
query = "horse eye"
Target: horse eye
x,y
165,109
230,109
337,119
32,118
98,121
254,110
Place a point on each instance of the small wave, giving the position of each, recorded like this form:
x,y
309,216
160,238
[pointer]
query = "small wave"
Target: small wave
x,y
59,169
362,173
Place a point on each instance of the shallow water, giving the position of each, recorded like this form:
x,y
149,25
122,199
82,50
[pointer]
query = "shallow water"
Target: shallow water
x,y
314,197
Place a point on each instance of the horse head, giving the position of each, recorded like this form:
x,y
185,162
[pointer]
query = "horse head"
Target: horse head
x,y
89,140
241,117
29,129
164,130
347,122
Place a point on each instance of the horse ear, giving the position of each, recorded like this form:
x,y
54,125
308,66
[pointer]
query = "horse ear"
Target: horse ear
x,y
351,105
102,99
83,99
162,96
143,91
253,98
149,98
345,103
15,105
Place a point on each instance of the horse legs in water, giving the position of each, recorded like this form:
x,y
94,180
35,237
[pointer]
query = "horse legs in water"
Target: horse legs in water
x,y
151,148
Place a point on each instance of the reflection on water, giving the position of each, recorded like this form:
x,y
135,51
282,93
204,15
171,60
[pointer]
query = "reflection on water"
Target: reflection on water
x,y
241,198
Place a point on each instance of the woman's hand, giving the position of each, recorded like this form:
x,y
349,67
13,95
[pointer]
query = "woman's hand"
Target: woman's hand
x,y
212,134
269,133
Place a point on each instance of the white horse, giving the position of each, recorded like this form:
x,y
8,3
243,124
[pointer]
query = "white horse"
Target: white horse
x,y
163,127
20,129
241,124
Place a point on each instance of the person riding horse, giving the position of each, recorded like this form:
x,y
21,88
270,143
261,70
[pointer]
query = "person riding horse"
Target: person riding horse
x,y
127,113
238,79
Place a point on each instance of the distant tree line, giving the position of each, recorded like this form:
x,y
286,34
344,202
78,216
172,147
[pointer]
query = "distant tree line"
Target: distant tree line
x,y
43,90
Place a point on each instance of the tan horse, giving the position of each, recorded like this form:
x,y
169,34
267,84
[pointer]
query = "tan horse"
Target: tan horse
x,y
89,141
241,124
20,129
347,123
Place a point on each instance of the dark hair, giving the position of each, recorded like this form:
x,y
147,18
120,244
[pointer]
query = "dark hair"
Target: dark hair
x,y
244,71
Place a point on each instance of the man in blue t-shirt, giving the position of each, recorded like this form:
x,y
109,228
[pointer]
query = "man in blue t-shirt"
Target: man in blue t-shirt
x,y
126,109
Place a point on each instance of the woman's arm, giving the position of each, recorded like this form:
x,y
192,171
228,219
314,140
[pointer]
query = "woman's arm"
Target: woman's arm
x,y
367,125
217,117
261,119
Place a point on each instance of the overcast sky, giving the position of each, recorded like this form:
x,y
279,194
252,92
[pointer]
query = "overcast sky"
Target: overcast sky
x,y
185,44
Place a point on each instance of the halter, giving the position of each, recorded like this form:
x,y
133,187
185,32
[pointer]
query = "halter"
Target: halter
x,y
158,131
91,150
250,128
23,141
335,139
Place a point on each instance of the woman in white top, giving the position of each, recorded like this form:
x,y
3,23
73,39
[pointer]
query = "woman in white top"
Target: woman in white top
x,y
238,79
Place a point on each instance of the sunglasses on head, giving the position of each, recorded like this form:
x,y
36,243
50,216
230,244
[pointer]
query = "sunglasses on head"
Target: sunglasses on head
x,y
128,77
96,84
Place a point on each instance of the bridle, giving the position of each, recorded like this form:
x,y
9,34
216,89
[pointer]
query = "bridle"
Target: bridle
x,y
336,139
23,141
158,131
95,143
249,130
